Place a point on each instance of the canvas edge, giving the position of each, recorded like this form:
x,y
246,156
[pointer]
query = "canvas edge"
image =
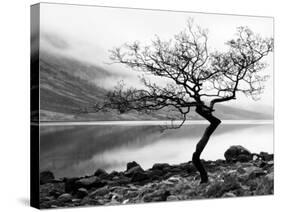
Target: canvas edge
x,y
34,104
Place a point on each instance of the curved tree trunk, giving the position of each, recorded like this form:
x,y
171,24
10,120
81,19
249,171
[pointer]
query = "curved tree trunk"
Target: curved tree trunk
x,y
214,123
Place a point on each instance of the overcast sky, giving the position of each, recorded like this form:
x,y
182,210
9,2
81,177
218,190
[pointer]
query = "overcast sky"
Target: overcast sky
x,y
87,33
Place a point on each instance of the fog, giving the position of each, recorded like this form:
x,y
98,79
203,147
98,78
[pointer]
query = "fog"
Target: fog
x,y
87,33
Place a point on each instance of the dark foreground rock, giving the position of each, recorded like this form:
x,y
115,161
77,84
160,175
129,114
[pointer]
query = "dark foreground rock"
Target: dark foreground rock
x,y
237,153
163,182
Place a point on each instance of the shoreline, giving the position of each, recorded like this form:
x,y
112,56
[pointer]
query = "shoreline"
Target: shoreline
x,y
248,174
148,122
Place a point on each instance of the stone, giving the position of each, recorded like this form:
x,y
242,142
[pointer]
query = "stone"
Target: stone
x,y
156,196
154,174
81,193
55,193
237,153
133,170
90,182
172,198
254,172
161,166
113,174
122,180
46,177
265,156
132,165
188,167
99,192
139,176
125,201
244,158
70,184
65,197
228,194
270,176
101,173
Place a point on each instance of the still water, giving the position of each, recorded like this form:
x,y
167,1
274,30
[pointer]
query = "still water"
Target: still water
x,y
78,149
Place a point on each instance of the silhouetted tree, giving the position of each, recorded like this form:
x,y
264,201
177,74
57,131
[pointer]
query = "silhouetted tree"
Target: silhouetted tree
x,y
196,77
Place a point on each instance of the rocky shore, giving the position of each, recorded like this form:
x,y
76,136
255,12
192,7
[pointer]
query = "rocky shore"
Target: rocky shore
x,y
241,174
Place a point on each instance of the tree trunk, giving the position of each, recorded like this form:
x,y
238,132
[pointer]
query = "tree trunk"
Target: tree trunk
x,y
214,123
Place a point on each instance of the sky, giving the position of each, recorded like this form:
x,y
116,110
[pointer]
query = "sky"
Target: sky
x,y
88,33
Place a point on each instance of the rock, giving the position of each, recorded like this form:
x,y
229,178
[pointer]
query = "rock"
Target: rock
x,y
121,180
132,165
55,193
244,158
270,176
237,153
113,202
154,174
90,182
133,170
99,192
139,176
228,194
266,157
125,201
161,166
65,197
46,177
89,201
81,193
101,173
254,172
70,184
113,174
188,167
172,198
156,196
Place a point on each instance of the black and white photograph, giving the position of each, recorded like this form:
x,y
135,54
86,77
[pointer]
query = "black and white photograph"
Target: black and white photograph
x,y
143,105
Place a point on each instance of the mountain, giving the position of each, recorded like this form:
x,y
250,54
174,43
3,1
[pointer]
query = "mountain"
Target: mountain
x,y
68,86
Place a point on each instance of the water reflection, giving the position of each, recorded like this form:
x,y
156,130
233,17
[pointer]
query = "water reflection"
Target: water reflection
x,y
79,150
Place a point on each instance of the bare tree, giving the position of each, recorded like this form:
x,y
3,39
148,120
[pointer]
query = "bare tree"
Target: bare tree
x,y
195,77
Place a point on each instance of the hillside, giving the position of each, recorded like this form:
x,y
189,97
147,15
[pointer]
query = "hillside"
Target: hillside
x,y
68,86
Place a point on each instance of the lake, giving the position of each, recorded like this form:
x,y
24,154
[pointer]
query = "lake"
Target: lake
x,y
71,149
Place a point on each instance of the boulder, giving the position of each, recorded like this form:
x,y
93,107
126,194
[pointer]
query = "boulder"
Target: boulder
x,y
154,174
134,170
266,157
139,176
101,173
46,177
99,192
81,193
237,153
90,182
172,198
156,196
132,165
65,197
228,194
70,184
121,180
161,166
188,167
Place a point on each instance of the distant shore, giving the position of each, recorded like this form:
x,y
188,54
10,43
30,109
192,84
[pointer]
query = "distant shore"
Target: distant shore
x,y
149,122
244,175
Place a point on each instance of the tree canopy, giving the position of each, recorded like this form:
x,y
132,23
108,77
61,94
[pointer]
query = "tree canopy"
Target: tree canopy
x,y
196,77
